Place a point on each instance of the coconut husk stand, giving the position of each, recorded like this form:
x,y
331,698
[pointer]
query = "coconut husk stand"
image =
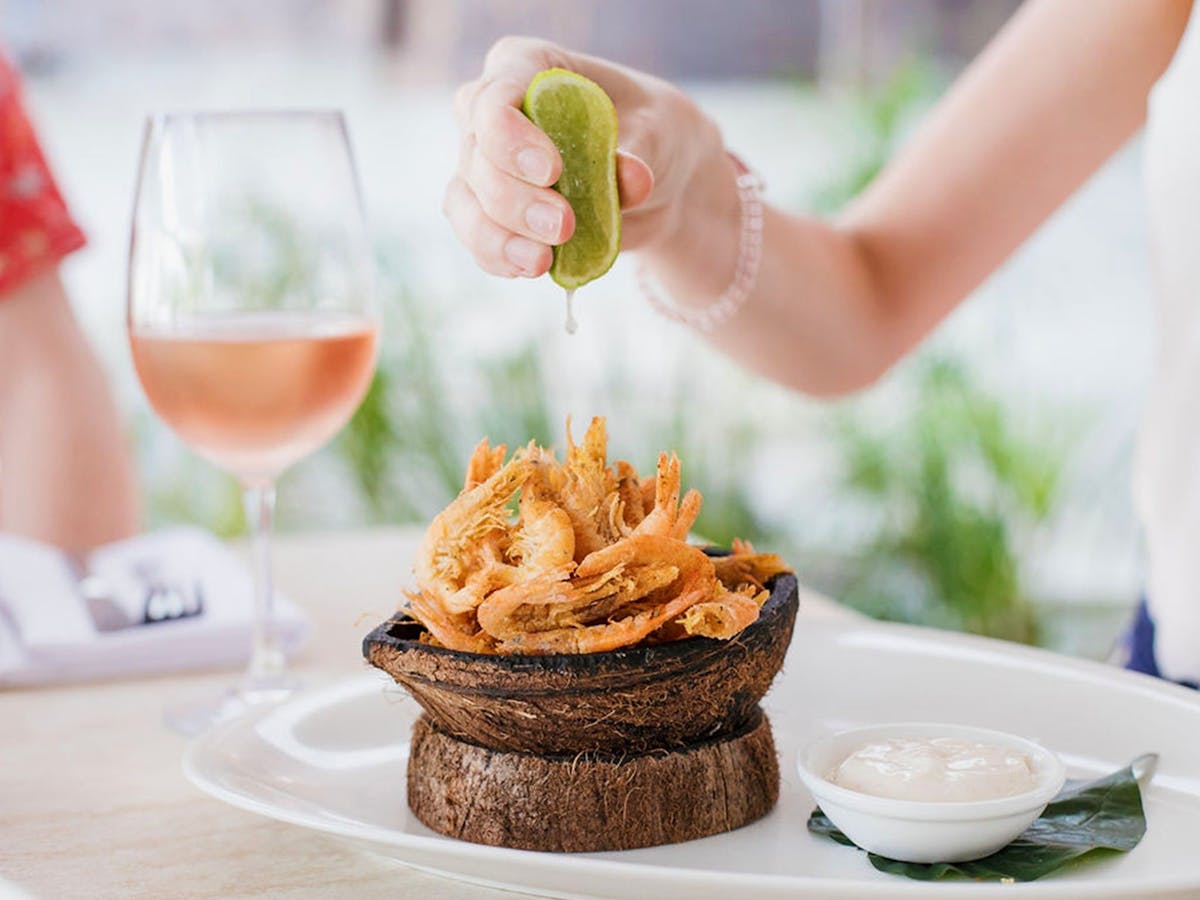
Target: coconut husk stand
x,y
603,751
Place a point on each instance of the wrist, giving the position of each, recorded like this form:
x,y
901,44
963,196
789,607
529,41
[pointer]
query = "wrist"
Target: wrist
x,y
697,256
717,311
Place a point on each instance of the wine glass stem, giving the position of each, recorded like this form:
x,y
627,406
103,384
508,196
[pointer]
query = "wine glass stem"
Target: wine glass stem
x,y
267,662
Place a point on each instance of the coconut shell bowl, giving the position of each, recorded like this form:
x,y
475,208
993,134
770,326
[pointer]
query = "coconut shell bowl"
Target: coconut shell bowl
x,y
549,752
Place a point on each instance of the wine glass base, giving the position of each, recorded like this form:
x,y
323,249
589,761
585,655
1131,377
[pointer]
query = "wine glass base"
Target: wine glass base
x,y
194,715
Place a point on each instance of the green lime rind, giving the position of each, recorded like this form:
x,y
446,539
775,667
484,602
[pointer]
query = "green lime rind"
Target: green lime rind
x,y
580,119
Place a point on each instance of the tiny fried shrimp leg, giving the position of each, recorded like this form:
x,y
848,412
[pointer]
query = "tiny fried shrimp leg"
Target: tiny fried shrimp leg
x,y
484,463
689,511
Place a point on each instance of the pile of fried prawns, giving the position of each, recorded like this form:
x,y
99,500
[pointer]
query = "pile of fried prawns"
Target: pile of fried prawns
x,y
593,558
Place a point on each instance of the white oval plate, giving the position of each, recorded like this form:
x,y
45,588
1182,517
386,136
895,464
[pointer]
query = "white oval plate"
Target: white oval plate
x,y
334,760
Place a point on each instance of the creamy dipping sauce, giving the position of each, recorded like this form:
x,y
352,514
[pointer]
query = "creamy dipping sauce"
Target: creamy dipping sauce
x,y
935,770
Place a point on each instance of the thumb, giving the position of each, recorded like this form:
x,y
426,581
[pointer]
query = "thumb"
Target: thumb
x,y
635,180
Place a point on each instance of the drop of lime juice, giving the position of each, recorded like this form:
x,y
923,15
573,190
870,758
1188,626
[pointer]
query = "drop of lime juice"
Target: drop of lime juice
x,y
571,325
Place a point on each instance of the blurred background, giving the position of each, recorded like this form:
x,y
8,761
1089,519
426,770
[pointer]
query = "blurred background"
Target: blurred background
x,y
983,485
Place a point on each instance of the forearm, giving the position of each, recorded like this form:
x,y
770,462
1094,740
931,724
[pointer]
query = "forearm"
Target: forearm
x,y
813,320
65,473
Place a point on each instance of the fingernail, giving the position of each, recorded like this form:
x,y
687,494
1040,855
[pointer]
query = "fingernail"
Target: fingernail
x,y
545,219
523,253
534,164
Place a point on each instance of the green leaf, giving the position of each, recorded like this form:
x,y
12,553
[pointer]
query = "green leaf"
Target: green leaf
x,y
1101,815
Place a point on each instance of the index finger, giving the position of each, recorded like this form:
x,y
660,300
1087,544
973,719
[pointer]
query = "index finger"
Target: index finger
x,y
508,139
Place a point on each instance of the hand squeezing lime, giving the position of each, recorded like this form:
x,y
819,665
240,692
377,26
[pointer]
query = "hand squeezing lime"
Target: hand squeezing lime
x,y
580,119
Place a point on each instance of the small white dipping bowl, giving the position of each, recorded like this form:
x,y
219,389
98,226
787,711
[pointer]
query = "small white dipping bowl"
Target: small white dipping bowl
x,y
925,832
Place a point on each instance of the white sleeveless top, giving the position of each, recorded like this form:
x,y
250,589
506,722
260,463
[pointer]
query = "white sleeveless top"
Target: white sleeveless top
x,y
1167,469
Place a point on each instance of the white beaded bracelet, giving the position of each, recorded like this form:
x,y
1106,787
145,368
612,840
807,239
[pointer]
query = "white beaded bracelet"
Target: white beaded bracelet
x,y
745,275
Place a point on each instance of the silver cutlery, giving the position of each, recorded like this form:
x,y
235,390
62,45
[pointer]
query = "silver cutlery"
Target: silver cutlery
x,y
162,601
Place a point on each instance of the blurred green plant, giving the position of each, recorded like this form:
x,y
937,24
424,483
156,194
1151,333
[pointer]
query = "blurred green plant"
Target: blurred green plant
x,y
517,409
192,490
958,495
728,511
367,444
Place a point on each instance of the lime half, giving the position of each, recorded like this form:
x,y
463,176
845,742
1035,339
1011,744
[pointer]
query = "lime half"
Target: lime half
x,y
580,119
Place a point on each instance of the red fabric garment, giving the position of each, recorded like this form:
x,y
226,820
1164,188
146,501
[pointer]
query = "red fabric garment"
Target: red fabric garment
x,y
36,229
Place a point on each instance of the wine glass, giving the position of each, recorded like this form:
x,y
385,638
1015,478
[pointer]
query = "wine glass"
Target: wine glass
x,y
251,317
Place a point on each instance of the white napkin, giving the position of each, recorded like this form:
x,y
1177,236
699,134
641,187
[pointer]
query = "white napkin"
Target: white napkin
x,y
47,632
